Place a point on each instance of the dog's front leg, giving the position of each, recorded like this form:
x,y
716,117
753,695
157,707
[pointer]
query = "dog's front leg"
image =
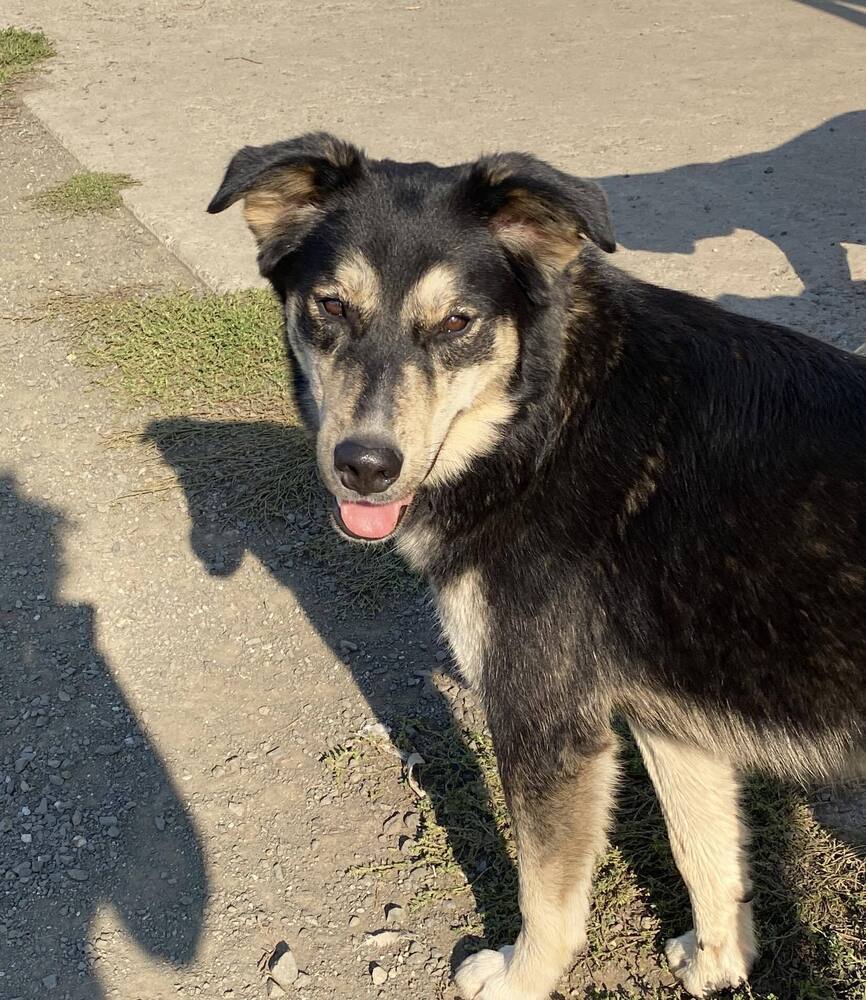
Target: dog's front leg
x,y
560,797
700,798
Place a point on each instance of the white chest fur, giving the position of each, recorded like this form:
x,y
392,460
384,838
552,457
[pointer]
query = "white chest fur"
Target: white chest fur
x,y
465,616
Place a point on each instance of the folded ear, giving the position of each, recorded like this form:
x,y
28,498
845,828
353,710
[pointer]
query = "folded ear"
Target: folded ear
x,y
285,187
537,210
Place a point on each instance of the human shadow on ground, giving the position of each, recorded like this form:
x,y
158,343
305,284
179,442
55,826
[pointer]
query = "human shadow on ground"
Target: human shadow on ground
x,y
90,817
252,487
850,10
807,196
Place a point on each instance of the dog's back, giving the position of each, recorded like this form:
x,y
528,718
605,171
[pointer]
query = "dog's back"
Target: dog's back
x,y
727,463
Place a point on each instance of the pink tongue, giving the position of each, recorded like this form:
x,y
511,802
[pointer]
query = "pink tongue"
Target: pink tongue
x,y
368,520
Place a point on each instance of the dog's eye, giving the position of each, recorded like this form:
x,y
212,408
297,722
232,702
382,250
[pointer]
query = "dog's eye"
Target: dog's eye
x,y
456,323
332,307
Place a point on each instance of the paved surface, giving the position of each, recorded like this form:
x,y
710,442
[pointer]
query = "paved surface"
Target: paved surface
x,y
737,122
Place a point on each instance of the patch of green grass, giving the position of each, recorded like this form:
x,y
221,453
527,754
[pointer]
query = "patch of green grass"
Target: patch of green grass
x,y
20,50
810,889
189,353
84,193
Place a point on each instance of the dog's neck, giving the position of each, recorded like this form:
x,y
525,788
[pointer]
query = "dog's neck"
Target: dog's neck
x,y
565,367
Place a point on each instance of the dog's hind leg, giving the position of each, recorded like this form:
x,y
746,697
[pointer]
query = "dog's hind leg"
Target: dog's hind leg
x,y
560,807
700,798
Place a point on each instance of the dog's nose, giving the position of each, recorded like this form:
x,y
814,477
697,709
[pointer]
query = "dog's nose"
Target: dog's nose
x,y
366,468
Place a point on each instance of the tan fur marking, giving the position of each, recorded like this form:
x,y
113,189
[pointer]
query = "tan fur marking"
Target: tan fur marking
x,y
463,611
851,577
474,408
642,490
559,840
700,798
527,224
779,751
336,389
412,406
288,196
429,301
357,282
419,546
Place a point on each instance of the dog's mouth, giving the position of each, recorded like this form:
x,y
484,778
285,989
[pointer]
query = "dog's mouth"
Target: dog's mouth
x,y
370,522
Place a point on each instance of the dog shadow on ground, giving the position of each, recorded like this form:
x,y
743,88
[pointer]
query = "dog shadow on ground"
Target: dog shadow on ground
x,y
90,816
211,460
807,196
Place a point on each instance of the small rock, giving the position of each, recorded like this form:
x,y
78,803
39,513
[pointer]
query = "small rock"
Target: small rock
x,y
378,974
383,940
302,980
348,647
393,914
354,921
393,823
159,822
49,982
282,967
77,874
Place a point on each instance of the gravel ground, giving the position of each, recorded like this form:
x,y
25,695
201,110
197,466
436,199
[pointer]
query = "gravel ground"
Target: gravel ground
x,y
169,813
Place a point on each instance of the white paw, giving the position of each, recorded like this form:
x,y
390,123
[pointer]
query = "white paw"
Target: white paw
x,y
483,976
703,971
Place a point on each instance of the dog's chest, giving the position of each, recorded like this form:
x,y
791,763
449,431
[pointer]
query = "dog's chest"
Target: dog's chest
x,y
465,616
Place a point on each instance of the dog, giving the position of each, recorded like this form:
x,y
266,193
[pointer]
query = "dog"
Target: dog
x,y
628,503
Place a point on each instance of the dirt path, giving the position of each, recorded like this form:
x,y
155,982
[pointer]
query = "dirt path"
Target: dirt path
x,y
167,704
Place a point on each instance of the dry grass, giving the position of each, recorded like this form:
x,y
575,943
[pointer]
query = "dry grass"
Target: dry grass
x,y
84,193
20,51
188,353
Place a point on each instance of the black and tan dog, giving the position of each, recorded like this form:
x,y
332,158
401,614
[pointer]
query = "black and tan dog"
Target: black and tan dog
x,y
627,502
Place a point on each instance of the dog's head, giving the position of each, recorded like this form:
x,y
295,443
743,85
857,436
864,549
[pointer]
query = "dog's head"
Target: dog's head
x,y
407,289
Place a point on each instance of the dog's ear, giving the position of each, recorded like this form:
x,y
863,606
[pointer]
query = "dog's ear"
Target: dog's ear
x,y
286,187
538,211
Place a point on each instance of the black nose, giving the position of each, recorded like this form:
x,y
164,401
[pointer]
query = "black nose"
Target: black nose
x,y
366,468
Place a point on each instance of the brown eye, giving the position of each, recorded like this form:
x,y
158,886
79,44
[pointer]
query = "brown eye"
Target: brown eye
x,y
456,324
333,307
